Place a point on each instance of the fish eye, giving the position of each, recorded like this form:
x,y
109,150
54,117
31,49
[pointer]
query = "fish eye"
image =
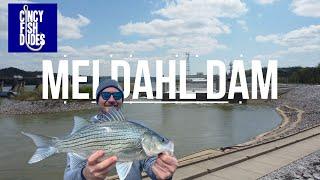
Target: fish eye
x,y
163,140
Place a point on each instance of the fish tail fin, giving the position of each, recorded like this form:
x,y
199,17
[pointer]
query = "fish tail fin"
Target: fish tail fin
x,y
45,147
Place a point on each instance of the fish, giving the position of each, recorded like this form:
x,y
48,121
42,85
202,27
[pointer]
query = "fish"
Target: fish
x,y
128,140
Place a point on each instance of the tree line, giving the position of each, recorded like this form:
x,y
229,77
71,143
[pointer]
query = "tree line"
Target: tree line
x,y
296,75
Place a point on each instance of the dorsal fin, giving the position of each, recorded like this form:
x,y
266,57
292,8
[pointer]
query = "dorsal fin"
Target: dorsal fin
x,y
114,115
79,123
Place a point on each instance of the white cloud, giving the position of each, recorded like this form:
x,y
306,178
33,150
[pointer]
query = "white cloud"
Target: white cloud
x,y
243,25
65,50
186,9
303,41
124,49
4,23
309,8
266,1
3,29
189,25
299,37
70,28
159,27
292,51
173,44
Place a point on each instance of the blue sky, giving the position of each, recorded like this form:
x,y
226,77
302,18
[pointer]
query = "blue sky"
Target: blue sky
x,y
286,30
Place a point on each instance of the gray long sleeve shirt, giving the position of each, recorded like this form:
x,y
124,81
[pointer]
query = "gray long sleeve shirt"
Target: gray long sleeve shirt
x,y
135,172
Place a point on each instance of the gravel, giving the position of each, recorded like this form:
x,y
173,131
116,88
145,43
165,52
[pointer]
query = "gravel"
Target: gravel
x,y
307,167
10,106
306,98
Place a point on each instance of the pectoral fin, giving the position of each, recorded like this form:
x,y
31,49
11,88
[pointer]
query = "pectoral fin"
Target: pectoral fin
x,y
123,169
76,160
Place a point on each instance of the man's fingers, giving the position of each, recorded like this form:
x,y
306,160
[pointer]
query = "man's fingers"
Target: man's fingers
x,y
96,169
103,173
170,167
169,160
156,170
160,172
159,168
161,164
92,160
106,163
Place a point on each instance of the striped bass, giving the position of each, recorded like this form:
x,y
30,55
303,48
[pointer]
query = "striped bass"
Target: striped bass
x,y
127,140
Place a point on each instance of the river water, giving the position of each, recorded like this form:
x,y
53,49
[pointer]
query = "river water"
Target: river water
x,y
191,127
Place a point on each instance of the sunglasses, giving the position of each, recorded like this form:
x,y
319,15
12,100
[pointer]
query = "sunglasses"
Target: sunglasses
x,y
116,95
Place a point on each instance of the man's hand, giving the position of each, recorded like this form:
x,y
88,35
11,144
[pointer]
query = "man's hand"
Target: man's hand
x,y
165,166
96,170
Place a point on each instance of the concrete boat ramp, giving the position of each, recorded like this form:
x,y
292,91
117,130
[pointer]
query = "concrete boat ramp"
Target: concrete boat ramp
x,y
250,162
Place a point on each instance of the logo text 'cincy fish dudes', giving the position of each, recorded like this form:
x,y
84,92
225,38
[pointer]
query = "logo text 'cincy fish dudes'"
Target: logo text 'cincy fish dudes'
x,y
29,29
32,28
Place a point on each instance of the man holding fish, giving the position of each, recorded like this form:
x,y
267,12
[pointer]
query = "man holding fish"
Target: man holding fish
x,y
110,95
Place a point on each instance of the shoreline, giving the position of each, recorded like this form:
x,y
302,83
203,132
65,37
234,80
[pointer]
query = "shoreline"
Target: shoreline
x,y
299,109
286,124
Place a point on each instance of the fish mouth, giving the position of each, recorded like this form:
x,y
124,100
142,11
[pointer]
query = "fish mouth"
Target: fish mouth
x,y
169,148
